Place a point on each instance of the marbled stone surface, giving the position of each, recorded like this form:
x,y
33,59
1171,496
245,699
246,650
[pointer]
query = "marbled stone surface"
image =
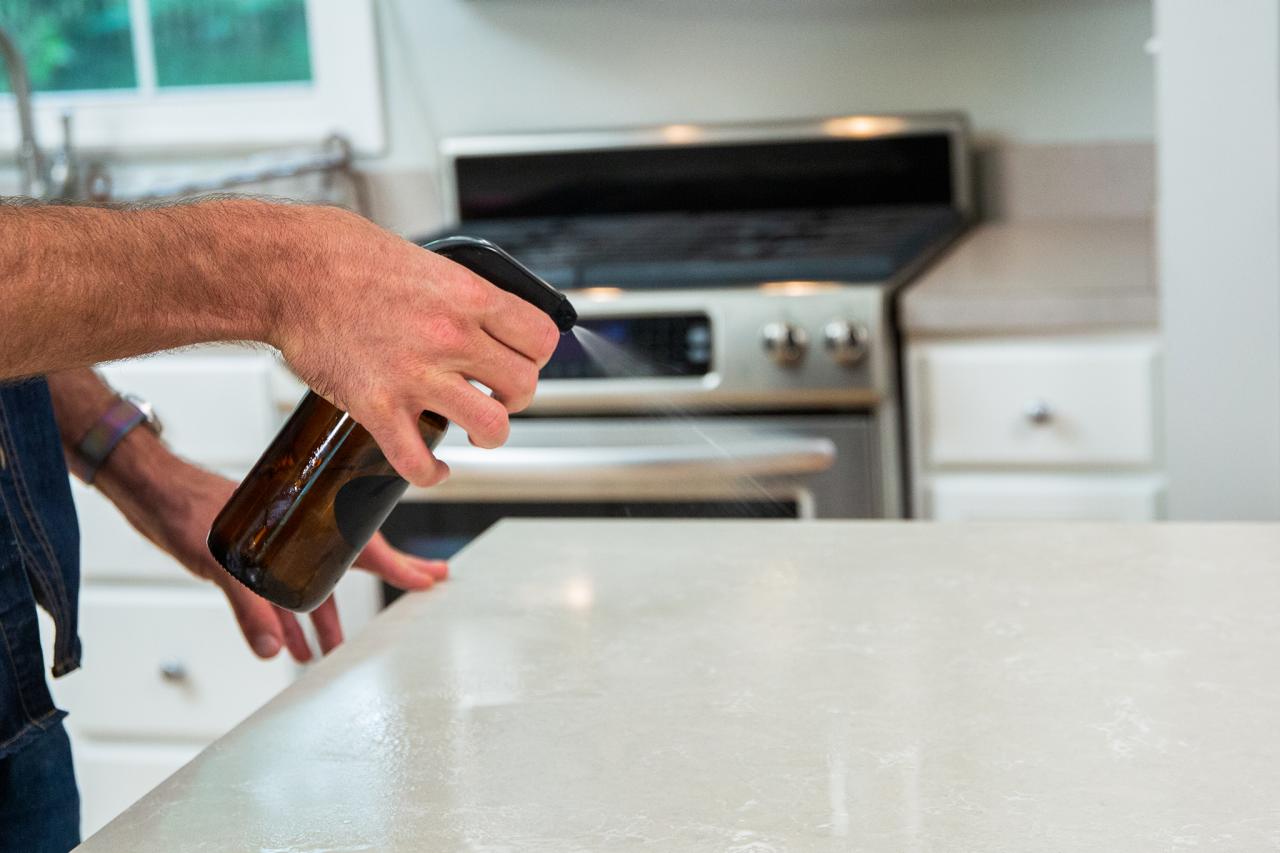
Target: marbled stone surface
x,y
769,686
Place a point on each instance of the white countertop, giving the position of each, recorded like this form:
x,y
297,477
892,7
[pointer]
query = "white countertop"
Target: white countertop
x,y
769,686
1038,276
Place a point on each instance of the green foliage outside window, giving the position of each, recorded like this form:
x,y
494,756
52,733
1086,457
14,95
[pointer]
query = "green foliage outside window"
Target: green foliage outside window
x,y
72,44
219,42
88,44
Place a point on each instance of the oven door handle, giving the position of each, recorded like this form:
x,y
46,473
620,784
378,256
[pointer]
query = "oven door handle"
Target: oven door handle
x,y
780,456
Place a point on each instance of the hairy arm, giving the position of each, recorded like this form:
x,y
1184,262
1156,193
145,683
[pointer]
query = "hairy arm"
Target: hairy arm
x,y
373,323
82,285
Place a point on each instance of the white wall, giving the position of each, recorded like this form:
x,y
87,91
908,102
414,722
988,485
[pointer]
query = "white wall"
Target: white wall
x,y
1030,70
1218,91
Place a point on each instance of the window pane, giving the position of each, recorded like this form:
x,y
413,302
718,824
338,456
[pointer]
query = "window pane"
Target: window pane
x,y
72,44
206,42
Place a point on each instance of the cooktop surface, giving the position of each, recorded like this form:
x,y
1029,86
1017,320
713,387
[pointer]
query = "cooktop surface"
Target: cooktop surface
x,y
722,248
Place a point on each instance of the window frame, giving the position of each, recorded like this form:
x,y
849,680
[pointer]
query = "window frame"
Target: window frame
x,y
344,96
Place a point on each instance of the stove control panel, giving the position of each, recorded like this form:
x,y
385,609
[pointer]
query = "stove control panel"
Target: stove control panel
x,y
792,346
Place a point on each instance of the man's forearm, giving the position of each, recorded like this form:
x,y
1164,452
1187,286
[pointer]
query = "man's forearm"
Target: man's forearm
x,y
81,285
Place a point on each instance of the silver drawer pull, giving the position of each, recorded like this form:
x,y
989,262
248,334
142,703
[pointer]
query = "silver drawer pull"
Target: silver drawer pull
x,y
173,670
1039,413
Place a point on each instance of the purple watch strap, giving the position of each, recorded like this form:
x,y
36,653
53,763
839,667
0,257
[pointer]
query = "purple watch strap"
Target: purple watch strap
x,y
103,436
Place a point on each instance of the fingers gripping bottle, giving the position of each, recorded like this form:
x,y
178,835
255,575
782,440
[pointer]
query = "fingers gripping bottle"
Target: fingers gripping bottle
x,y
323,488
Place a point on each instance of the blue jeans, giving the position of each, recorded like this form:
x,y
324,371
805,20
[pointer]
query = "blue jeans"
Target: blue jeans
x,y
39,803
39,564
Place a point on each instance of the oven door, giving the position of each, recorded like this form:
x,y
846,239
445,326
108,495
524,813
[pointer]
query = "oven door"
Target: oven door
x,y
799,466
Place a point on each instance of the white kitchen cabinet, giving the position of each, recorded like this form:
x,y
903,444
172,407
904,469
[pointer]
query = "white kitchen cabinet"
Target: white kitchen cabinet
x,y
1038,403
1017,427
113,775
111,550
165,663
217,405
1039,497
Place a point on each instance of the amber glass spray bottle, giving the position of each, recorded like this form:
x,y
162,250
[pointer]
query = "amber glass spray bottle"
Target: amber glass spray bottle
x,y
323,488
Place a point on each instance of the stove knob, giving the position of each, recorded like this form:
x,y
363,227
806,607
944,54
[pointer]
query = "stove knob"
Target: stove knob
x,y
786,344
846,342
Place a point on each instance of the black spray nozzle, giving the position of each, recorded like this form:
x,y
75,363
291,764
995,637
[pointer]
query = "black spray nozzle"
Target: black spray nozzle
x,y
500,269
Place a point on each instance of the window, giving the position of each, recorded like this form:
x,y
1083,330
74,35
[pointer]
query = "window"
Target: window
x,y
204,72
227,42
72,44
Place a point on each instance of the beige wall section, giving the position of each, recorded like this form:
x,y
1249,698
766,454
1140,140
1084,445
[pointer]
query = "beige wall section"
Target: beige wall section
x,y
1219,254
1029,72
1063,180
1034,70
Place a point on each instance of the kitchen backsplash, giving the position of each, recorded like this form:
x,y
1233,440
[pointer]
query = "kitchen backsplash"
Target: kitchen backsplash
x,y
1019,181
1015,181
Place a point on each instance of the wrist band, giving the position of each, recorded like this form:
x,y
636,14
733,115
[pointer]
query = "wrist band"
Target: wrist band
x,y
109,430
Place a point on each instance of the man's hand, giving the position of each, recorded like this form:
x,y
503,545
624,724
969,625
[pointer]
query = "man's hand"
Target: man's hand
x,y
385,330
179,523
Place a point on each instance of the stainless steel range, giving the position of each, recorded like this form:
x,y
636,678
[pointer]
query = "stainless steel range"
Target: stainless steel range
x,y
752,269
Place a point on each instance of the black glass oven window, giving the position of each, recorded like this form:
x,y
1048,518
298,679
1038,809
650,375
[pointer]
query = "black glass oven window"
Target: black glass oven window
x,y
440,530
647,347
806,174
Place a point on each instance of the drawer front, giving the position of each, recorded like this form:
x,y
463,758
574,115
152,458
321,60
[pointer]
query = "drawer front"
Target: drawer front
x,y
217,410
113,776
164,663
111,549
1077,403
1044,498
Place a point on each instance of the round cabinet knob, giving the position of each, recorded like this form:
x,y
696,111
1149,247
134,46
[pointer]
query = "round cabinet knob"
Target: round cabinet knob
x,y
173,670
1039,412
786,344
846,342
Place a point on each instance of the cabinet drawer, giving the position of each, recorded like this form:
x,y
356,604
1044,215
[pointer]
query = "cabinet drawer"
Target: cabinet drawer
x,y
1062,403
113,776
217,409
166,663
1044,498
111,549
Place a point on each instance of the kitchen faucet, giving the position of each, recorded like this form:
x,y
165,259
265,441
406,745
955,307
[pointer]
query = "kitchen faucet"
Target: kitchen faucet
x,y
37,179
